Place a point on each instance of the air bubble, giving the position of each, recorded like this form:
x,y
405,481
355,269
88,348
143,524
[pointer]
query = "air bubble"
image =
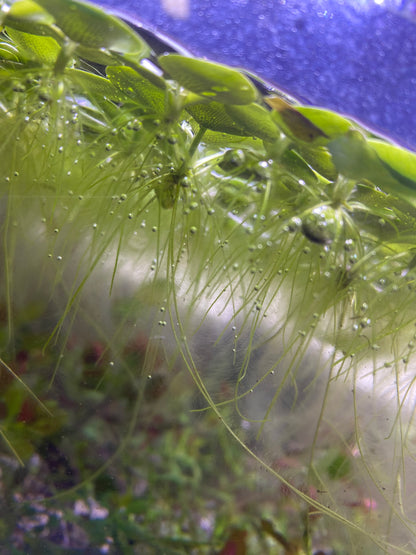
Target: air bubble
x,y
193,230
294,225
349,245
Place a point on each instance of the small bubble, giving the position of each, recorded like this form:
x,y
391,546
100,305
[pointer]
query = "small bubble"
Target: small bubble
x,y
108,146
349,245
193,230
154,228
293,225
123,197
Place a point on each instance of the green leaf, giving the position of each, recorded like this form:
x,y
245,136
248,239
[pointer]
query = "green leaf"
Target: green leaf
x,y
293,163
330,123
255,120
91,27
227,140
93,85
212,81
29,17
294,123
400,162
137,87
390,168
320,160
43,49
339,467
214,116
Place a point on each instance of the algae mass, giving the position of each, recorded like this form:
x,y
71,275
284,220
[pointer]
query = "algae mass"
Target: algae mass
x,y
207,305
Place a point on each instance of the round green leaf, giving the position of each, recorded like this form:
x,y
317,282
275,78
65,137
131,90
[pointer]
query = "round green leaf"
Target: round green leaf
x,y
137,87
91,27
42,49
320,160
332,124
294,123
212,81
29,17
214,116
401,162
255,120
93,85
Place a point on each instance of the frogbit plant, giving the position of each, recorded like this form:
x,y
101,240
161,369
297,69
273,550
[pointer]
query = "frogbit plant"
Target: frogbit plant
x,y
254,251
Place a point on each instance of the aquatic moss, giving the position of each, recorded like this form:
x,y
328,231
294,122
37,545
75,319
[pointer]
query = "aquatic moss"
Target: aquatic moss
x,y
264,246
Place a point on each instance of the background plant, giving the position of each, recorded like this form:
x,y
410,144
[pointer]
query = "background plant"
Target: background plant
x,y
160,220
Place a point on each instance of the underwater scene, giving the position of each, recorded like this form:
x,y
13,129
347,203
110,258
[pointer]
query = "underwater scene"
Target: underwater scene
x,y
207,305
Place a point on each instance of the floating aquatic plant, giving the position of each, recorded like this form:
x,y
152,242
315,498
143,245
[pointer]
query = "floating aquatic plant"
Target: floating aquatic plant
x,y
265,247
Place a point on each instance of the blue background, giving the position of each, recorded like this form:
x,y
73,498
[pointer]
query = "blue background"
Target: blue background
x,y
355,56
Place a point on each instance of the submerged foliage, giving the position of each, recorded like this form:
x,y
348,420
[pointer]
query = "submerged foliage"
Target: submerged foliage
x,y
264,247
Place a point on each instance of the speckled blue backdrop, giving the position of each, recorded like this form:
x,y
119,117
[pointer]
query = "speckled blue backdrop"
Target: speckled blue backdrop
x,y
355,56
